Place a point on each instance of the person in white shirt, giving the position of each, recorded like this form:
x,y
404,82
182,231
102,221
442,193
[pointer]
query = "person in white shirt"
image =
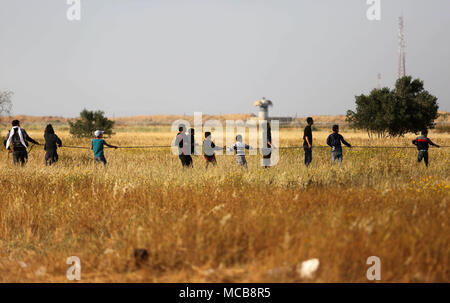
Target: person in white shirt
x,y
17,143
239,147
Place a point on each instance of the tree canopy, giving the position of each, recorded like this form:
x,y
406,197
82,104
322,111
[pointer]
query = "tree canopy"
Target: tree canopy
x,y
89,122
406,108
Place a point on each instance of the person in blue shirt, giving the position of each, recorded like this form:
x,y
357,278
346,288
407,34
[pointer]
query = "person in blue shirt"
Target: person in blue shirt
x,y
97,147
334,141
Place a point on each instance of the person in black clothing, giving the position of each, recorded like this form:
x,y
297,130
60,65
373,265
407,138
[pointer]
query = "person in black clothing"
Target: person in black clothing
x,y
52,142
17,142
307,141
192,138
182,142
334,141
423,142
267,144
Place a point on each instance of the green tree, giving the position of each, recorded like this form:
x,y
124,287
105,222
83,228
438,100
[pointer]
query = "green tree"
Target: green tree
x,y
89,122
370,112
416,108
406,108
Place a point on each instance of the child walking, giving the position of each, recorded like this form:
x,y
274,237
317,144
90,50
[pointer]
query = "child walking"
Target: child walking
x,y
209,149
52,141
334,141
239,147
423,143
97,147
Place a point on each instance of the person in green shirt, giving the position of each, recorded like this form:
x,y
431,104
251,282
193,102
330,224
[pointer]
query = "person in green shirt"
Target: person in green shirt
x,y
97,147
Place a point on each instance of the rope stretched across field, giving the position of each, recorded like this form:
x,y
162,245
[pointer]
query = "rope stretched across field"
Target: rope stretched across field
x,y
123,147
362,146
281,147
69,146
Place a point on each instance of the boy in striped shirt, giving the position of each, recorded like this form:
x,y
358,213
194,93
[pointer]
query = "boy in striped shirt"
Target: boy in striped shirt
x,y
239,147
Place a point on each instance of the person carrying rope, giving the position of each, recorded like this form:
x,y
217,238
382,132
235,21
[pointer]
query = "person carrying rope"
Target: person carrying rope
x,y
184,147
52,141
97,146
17,142
334,141
423,142
239,147
209,149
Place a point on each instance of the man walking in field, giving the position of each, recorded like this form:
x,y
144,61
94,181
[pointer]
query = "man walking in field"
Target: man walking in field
x,y
184,147
334,141
307,141
17,143
423,143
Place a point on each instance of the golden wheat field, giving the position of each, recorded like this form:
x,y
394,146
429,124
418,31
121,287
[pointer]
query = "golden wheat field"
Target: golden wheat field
x,y
226,224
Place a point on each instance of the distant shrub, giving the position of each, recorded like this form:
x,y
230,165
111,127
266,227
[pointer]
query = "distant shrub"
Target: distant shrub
x,y
89,122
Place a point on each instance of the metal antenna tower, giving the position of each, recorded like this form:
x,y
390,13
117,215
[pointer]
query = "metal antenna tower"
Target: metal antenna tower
x,y
401,48
379,80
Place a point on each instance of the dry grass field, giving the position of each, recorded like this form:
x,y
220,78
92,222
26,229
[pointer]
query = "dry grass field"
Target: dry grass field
x,y
226,224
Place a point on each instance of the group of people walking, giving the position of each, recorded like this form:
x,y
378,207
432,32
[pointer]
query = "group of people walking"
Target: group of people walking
x,y
186,148
17,141
335,139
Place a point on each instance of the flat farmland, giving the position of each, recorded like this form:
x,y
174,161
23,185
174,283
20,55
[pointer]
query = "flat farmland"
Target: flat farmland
x,y
226,224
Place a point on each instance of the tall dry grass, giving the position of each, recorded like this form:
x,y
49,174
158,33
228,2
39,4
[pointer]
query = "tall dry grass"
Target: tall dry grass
x,y
226,224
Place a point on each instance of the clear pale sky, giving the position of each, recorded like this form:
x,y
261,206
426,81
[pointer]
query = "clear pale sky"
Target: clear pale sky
x,y
130,57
